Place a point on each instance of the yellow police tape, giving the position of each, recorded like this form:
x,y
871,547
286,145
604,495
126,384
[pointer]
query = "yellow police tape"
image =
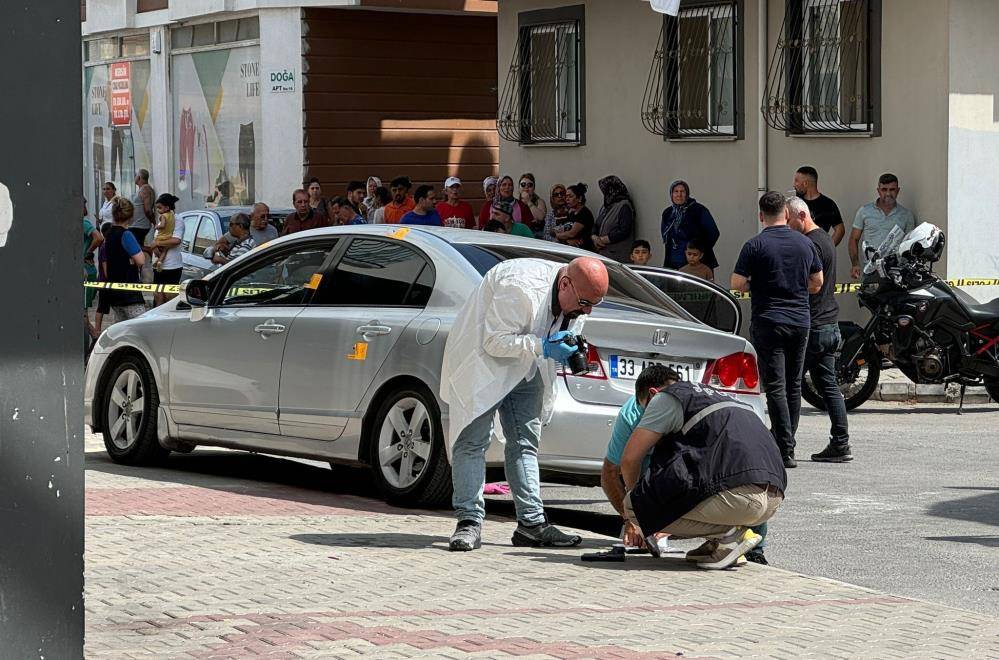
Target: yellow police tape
x,y
850,287
167,288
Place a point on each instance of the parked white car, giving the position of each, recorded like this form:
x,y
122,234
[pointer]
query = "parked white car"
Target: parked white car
x,y
327,344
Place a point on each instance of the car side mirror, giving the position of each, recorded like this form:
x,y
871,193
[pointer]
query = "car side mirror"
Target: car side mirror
x,y
195,293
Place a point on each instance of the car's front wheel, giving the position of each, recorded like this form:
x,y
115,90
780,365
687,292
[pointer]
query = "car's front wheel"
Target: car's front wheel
x,y
130,404
407,454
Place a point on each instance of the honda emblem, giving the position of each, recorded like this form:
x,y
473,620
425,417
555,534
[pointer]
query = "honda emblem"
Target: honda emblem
x,y
660,337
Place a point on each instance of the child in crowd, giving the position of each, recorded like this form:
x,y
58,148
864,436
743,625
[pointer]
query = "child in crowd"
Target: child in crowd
x,y
641,252
165,207
694,266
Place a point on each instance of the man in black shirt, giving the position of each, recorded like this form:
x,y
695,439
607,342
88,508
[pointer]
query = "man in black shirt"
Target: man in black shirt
x,y
780,267
824,211
824,337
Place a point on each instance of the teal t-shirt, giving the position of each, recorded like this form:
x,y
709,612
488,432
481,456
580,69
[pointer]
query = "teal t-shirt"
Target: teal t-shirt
x,y
627,420
88,229
520,229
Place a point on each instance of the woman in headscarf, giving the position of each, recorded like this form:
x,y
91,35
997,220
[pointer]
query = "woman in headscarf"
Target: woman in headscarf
x,y
557,213
368,204
489,190
614,229
505,193
684,220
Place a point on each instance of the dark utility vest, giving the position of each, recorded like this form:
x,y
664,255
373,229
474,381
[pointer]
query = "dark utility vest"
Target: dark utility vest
x,y
722,445
120,269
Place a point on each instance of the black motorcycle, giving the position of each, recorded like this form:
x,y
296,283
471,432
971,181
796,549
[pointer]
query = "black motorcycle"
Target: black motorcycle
x,y
931,332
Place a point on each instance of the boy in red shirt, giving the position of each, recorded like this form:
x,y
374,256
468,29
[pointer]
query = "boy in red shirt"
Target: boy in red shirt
x,y
454,212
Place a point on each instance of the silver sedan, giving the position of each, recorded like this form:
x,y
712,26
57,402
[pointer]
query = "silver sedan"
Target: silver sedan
x,y
327,345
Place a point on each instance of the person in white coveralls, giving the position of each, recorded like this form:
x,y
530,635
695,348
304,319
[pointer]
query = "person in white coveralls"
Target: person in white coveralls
x,y
501,356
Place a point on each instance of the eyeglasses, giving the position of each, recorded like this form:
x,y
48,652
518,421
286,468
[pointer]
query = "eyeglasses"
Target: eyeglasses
x,y
526,184
558,193
583,302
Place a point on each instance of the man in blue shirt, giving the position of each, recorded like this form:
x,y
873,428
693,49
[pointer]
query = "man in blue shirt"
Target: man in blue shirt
x,y
780,268
346,213
424,212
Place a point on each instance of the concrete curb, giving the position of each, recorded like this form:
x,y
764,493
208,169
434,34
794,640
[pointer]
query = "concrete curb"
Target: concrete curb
x,y
912,393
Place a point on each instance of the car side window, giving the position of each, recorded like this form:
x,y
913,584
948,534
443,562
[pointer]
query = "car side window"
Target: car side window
x,y
190,227
207,235
285,277
378,273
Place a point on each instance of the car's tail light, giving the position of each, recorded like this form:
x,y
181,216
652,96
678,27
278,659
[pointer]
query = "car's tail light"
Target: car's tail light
x,y
596,368
734,373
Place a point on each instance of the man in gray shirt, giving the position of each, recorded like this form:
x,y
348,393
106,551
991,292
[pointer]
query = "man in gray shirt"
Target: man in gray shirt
x,y
874,221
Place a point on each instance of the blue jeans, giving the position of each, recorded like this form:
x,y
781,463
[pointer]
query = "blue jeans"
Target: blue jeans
x,y
781,349
520,417
820,362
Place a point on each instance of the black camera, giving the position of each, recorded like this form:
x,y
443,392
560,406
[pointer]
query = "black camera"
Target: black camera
x,y
578,362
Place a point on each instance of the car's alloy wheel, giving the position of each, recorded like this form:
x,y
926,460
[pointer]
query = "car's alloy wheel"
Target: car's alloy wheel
x,y
404,442
125,409
131,402
406,449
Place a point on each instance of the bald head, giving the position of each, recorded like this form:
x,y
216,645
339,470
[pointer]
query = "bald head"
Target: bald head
x,y
258,215
582,284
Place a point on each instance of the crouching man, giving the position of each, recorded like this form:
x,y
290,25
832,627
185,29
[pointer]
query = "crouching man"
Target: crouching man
x,y
649,382
715,472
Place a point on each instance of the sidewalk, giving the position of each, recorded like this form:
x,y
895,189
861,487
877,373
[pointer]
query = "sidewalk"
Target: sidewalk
x,y
200,564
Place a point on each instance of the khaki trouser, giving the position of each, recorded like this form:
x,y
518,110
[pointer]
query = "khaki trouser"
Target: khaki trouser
x,y
742,506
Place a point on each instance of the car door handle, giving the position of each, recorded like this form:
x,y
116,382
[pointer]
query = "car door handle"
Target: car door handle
x,y
373,330
269,328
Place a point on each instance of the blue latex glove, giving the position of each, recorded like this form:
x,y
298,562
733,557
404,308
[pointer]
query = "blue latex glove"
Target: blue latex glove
x,y
555,348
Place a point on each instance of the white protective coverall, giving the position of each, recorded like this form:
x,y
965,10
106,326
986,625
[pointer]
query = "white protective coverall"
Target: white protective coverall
x,y
496,341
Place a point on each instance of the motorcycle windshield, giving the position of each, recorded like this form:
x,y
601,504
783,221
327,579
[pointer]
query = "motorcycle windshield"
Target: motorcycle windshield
x,y
888,246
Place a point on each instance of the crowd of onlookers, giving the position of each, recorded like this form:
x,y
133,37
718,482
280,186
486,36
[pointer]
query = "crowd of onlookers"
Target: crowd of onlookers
x,y
116,247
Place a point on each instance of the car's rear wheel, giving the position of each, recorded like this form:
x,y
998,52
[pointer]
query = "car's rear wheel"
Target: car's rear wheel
x,y
407,454
130,405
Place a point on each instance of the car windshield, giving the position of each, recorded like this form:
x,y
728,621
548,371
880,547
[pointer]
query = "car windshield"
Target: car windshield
x,y
626,288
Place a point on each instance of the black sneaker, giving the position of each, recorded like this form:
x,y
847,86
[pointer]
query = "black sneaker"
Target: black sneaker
x,y
839,453
756,556
789,462
467,536
544,535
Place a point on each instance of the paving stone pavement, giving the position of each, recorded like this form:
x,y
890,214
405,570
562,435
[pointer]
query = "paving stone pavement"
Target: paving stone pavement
x,y
193,565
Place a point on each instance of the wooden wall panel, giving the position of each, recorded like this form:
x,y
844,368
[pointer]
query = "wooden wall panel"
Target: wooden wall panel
x,y
390,94
150,5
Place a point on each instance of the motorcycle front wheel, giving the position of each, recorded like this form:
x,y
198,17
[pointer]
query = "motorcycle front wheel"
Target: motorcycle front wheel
x,y
857,382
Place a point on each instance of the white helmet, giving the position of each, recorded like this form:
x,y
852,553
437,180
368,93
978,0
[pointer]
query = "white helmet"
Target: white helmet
x,y
925,243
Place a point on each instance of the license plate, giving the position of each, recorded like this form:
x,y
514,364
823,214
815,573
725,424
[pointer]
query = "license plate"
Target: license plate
x,y
625,367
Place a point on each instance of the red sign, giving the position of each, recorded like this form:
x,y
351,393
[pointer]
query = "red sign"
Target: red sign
x,y
121,94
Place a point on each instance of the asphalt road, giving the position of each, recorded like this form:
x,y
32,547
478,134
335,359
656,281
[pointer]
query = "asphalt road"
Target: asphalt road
x,y
915,514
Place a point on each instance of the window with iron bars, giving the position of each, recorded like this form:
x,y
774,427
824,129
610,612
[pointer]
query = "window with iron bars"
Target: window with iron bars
x,y
694,85
824,76
541,101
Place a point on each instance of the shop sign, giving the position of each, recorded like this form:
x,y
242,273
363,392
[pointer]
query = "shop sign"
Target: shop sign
x,y
121,93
